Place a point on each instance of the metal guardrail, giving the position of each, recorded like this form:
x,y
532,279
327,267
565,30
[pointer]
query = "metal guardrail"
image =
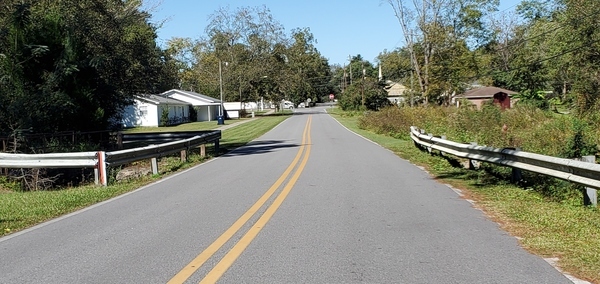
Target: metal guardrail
x,y
580,172
101,160
159,137
122,157
54,160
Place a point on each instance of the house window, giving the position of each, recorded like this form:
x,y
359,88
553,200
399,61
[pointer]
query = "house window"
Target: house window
x,y
144,110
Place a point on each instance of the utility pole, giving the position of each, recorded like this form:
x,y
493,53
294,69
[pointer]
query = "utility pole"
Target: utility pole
x,y
350,58
240,90
411,89
221,88
362,91
345,76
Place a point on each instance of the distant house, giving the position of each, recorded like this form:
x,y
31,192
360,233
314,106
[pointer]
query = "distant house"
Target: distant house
x,y
395,92
478,96
206,107
147,110
232,109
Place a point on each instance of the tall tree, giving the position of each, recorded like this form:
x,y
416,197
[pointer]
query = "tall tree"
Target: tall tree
x,y
307,72
582,20
430,26
74,65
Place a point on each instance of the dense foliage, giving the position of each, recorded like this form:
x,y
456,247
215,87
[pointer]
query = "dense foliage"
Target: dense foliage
x,y
257,59
548,47
74,65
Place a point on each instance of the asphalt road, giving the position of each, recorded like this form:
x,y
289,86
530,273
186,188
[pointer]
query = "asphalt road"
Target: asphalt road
x,y
309,202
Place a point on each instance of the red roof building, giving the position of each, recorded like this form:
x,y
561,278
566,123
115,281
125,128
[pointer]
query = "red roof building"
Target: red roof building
x,y
478,96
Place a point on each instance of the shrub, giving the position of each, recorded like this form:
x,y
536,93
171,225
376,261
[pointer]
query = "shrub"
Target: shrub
x,y
164,116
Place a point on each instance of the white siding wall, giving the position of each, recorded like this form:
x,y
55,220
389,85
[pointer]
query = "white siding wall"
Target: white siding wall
x,y
140,114
152,117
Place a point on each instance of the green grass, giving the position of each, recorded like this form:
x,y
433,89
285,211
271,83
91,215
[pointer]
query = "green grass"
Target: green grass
x,y
564,229
20,210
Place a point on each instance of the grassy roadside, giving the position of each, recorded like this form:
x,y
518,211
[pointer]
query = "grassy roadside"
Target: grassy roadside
x,y
564,230
20,210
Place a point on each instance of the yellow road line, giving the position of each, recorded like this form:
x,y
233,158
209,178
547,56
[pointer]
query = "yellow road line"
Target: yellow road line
x,y
243,243
197,262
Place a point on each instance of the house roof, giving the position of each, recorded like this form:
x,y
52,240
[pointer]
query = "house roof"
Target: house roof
x,y
484,92
395,89
157,100
206,100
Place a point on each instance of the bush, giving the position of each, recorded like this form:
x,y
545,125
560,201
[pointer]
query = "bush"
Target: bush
x,y
164,116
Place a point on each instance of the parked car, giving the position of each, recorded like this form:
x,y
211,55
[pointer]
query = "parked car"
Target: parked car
x,y
301,105
287,105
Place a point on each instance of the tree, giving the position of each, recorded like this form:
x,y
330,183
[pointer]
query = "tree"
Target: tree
x,y
74,65
307,72
245,38
582,21
258,60
429,27
396,65
365,94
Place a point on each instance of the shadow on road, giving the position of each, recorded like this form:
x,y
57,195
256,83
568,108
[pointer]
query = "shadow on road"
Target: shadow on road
x,y
260,147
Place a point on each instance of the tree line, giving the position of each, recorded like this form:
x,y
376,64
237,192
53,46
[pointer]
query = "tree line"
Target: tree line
x,y
258,60
544,47
74,65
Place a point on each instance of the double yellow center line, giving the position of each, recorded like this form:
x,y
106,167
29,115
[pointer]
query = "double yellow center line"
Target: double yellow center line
x,y
243,243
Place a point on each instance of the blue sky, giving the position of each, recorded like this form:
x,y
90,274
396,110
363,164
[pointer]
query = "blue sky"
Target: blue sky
x,y
341,28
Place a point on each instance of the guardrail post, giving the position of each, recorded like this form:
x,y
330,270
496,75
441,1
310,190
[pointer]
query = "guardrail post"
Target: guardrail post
x,y
183,155
473,165
217,147
429,148
590,195
119,140
443,137
102,175
154,166
516,175
203,150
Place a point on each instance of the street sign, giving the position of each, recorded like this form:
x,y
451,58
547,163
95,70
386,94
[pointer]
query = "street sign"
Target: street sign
x,y
331,96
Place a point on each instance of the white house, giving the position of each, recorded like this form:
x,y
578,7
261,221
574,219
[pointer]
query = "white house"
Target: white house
x,y
147,110
206,107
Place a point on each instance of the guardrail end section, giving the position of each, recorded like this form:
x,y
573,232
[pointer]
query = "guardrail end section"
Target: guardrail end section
x,y
101,166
